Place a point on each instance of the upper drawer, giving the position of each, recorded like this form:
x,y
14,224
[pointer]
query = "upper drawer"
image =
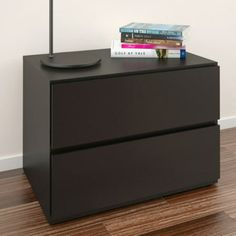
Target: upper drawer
x,y
104,109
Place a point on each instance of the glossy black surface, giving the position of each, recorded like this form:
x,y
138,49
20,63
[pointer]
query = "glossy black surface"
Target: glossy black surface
x,y
123,132
100,110
115,175
36,135
111,67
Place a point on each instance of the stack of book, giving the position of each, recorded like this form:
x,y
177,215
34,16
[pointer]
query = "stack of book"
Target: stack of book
x,y
150,41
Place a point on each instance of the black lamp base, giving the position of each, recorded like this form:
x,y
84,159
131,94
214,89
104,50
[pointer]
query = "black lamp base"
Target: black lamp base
x,y
62,62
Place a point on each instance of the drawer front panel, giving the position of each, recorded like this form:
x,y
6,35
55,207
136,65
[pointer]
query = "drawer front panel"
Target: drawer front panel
x,y
105,109
105,177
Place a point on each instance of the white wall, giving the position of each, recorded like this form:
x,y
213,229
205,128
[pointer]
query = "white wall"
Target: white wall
x,y
92,24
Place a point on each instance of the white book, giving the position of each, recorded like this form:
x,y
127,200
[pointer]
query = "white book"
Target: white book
x,y
119,52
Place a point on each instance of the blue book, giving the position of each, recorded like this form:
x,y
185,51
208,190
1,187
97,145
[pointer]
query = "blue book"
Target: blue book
x,y
158,29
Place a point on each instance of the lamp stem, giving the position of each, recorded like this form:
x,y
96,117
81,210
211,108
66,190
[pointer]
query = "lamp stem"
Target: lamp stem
x,y
51,55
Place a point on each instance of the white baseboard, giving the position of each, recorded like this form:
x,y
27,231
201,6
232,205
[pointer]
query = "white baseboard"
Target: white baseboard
x,y
227,122
11,162
16,161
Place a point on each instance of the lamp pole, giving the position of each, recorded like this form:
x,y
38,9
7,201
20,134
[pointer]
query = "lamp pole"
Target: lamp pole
x,y
51,29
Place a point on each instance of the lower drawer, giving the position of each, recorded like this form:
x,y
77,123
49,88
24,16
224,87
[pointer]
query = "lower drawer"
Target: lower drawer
x,y
96,179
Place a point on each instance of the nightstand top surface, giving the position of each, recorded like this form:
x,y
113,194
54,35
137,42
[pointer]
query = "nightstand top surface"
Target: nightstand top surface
x,y
111,67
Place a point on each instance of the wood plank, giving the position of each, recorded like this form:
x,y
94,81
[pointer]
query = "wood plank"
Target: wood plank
x,y
217,224
11,173
189,206
92,230
28,218
15,189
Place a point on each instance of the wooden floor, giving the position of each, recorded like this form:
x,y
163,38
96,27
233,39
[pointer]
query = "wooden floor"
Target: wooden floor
x,y
206,211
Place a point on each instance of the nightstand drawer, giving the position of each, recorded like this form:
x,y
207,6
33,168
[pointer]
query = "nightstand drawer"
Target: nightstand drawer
x,y
95,179
104,109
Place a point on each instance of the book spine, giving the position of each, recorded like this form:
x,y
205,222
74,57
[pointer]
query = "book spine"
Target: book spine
x,y
147,53
148,31
161,42
148,46
149,36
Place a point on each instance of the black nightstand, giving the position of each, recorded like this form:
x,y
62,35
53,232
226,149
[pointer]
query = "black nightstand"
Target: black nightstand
x,y
127,131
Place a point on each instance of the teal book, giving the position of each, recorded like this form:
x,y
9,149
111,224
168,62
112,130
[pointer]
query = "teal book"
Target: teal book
x,y
158,29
